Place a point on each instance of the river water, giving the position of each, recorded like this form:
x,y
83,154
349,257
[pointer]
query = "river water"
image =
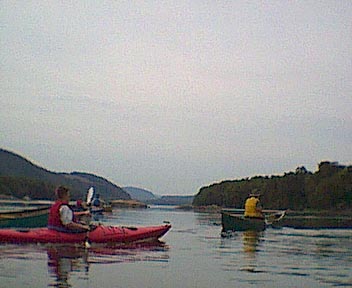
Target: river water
x,y
193,254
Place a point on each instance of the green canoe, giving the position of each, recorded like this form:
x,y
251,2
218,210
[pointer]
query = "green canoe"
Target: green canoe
x,y
237,222
25,218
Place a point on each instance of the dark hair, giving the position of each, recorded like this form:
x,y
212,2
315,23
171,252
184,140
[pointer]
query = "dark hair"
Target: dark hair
x,y
61,191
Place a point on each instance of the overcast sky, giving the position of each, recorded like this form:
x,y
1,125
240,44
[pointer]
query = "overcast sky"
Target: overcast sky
x,y
171,96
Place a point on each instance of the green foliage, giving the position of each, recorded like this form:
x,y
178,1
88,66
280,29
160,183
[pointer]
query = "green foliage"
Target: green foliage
x,y
329,188
20,187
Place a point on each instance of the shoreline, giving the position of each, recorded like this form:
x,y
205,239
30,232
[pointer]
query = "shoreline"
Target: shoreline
x,y
289,212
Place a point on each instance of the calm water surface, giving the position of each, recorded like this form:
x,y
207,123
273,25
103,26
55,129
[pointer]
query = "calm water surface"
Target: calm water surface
x,y
193,255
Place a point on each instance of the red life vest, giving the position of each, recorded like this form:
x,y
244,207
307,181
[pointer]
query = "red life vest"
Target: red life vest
x,y
54,215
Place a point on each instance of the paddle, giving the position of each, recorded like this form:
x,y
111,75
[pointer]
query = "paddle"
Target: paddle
x,y
90,195
89,199
91,228
281,216
276,217
86,243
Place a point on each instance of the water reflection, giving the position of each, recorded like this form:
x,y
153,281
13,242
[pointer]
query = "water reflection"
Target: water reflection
x,y
251,240
64,261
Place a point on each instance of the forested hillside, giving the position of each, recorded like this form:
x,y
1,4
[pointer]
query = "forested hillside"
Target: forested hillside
x,y
19,177
328,188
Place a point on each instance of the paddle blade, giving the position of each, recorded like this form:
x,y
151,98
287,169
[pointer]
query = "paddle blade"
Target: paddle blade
x,y
87,244
90,195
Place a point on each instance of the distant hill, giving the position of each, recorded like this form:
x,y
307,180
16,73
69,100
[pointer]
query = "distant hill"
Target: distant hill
x,y
140,194
150,198
172,200
20,177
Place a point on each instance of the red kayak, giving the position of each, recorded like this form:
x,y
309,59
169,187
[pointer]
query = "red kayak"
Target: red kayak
x,y
100,234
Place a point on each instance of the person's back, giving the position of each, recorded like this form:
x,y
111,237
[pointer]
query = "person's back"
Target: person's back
x,y
252,208
54,221
96,202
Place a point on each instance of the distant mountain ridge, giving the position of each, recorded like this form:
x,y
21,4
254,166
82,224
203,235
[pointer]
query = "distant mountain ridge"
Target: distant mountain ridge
x,y
140,194
172,200
19,177
150,198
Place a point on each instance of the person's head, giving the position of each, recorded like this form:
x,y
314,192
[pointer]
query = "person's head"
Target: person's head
x,y
254,194
62,193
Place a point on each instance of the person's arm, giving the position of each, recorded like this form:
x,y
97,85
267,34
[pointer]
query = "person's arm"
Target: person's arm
x,y
77,226
81,213
66,216
259,207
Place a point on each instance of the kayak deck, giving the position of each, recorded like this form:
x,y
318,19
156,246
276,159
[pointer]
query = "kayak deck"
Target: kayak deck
x,y
101,234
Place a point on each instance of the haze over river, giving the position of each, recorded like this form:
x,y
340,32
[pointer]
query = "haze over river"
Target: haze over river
x,y
193,255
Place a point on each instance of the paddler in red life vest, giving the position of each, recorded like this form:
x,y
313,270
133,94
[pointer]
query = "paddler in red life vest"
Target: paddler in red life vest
x,y
252,207
61,216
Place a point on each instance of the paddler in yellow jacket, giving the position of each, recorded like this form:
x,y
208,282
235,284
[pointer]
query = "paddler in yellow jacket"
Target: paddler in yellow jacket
x,y
252,207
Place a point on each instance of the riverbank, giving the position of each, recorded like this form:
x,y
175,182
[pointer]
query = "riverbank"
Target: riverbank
x,y
128,204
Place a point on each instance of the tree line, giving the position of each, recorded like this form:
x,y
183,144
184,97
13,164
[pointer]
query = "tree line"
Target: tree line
x,y
23,187
330,188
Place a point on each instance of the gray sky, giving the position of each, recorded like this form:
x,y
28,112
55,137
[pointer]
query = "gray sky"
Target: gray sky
x,y
171,96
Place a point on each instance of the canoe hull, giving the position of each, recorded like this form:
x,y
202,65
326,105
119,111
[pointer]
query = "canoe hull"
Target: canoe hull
x,y
232,222
27,218
102,234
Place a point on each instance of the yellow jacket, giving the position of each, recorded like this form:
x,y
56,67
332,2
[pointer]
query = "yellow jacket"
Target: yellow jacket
x,y
251,208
